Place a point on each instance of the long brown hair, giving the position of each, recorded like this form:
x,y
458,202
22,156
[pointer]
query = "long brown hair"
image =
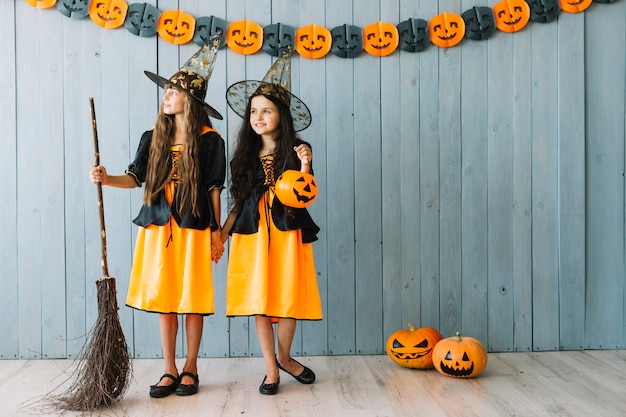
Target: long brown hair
x,y
246,156
158,172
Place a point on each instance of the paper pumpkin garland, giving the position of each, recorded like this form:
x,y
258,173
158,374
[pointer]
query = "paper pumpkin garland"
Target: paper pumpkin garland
x,y
380,38
244,37
76,9
511,15
347,41
447,29
108,14
414,35
480,23
575,6
142,19
206,27
278,38
544,11
313,41
176,26
41,4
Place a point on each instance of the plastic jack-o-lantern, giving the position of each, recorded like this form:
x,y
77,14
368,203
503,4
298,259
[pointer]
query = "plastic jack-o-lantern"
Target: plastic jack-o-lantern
x,y
76,9
207,27
414,35
544,11
511,15
278,38
479,23
244,37
380,38
313,41
413,347
447,29
295,188
142,19
575,6
41,4
176,26
109,14
347,41
460,357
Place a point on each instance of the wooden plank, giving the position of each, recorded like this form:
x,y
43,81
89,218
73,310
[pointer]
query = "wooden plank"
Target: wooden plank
x,y
367,193
9,319
571,181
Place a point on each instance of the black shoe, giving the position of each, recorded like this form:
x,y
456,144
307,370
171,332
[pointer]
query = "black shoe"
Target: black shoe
x,y
307,376
268,389
160,391
187,389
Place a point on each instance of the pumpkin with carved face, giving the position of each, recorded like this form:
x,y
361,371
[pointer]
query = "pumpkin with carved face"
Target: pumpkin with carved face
x,y
295,188
109,14
544,11
479,23
207,27
413,347
41,4
380,38
460,357
176,26
244,37
511,15
313,41
76,9
142,19
347,41
575,6
278,38
414,35
447,29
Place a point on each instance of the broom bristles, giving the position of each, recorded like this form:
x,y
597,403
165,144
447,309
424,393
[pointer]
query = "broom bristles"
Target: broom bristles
x,y
104,372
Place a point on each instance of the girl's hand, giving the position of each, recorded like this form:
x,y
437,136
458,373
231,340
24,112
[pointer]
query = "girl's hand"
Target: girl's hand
x,y
304,154
98,174
217,246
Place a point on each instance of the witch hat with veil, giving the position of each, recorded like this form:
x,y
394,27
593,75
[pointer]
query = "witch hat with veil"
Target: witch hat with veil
x,y
193,77
276,83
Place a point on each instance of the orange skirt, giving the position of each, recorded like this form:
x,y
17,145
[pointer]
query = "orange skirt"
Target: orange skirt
x,y
272,273
174,277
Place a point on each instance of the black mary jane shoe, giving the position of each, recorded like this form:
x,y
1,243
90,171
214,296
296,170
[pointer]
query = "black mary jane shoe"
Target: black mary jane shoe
x,y
307,376
187,389
160,391
268,389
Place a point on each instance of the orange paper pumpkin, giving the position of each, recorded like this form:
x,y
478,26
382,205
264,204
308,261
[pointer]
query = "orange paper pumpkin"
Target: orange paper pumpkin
x,y
460,357
574,6
41,4
446,29
176,26
244,37
380,38
109,14
412,347
313,41
511,15
296,189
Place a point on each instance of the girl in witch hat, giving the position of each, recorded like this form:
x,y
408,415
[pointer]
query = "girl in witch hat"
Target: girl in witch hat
x,y
182,163
271,273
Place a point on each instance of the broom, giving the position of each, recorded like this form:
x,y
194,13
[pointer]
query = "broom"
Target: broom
x,y
104,373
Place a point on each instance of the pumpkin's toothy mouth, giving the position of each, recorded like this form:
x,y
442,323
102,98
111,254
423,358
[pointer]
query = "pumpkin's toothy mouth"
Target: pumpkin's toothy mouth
x,y
448,370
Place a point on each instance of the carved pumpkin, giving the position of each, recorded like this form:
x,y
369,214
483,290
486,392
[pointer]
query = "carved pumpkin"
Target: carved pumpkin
x,y
575,6
544,11
176,26
206,27
244,37
458,357
347,41
380,38
479,23
412,347
277,38
313,41
414,35
142,19
446,29
76,9
109,14
296,189
511,15
41,4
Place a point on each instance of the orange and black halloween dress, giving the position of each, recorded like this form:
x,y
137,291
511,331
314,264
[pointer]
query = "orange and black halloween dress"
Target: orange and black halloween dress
x,y
172,270
271,271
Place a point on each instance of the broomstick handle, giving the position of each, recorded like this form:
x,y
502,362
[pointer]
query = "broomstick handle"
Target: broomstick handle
x,y
103,235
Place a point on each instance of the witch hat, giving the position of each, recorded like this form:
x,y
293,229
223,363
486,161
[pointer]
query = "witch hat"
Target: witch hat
x,y
193,77
276,83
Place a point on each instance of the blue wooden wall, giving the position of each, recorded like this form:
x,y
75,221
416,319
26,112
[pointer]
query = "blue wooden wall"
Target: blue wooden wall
x,y
477,188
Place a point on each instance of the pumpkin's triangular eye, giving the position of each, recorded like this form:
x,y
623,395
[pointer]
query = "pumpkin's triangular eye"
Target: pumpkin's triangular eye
x,y
307,188
397,344
465,357
422,344
448,356
300,179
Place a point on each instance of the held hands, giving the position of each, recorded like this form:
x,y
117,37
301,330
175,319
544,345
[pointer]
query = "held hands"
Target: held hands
x,y
305,155
217,246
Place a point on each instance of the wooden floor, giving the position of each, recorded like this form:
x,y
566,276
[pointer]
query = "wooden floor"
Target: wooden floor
x,y
577,383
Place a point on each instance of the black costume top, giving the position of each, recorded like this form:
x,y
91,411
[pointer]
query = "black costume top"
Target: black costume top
x,y
285,218
212,159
